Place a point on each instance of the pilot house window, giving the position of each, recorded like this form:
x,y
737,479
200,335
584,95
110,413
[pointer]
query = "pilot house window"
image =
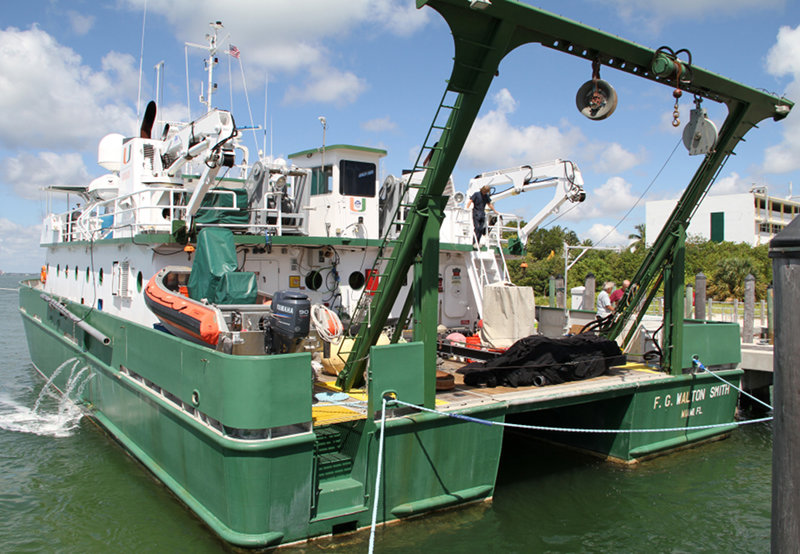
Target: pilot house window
x,y
321,183
357,178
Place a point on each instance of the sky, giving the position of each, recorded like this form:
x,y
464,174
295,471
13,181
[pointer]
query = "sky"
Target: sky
x,y
376,70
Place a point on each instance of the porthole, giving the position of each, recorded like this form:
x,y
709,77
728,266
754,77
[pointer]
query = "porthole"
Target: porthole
x,y
76,272
100,276
87,274
314,280
356,280
139,282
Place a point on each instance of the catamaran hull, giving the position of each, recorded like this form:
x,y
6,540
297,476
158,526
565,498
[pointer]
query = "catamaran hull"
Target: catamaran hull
x,y
233,437
176,407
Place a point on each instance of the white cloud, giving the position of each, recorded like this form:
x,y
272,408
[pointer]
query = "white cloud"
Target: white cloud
x,y
505,102
120,74
652,15
611,199
400,18
272,37
328,85
379,125
730,184
495,142
783,59
56,101
615,159
27,173
605,235
81,24
19,247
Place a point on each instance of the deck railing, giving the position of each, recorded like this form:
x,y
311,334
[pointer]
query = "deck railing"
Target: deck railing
x,y
154,210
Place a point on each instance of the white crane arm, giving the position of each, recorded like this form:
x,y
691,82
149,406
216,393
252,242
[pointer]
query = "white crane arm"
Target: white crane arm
x,y
564,175
201,138
206,133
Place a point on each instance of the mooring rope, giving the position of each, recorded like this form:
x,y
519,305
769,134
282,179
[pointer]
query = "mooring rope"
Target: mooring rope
x,y
480,421
577,429
697,363
377,480
455,415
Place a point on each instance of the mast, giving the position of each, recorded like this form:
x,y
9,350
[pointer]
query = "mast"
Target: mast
x,y
210,62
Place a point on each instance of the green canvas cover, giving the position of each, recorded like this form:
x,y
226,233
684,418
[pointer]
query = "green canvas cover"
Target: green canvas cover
x,y
237,288
215,255
223,200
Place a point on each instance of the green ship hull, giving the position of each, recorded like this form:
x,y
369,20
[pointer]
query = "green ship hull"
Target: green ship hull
x,y
241,440
234,437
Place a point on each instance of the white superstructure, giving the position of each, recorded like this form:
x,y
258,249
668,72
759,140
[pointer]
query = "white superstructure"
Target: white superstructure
x,y
751,217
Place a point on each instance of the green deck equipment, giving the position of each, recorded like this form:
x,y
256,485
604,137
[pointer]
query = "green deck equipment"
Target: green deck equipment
x,y
483,33
214,276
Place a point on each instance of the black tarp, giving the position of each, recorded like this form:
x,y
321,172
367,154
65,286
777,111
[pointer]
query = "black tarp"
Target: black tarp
x,y
538,360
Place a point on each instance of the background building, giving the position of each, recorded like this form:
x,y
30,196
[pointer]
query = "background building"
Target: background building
x,y
753,217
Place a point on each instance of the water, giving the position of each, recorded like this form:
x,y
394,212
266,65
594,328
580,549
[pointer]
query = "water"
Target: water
x,y
66,487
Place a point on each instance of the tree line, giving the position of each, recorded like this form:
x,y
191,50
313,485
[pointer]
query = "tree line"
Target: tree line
x,y
725,264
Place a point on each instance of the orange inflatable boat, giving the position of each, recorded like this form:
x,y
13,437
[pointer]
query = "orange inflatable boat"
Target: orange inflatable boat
x,y
167,297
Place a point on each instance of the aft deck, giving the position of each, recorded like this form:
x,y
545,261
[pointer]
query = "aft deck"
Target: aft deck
x,y
618,381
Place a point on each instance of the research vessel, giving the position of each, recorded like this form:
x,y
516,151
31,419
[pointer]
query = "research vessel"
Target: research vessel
x,y
281,350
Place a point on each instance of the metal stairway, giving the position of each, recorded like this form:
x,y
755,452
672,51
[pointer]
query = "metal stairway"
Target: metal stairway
x,y
485,269
337,491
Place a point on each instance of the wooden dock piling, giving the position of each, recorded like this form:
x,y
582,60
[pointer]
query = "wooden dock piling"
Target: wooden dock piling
x,y
749,308
700,296
785,254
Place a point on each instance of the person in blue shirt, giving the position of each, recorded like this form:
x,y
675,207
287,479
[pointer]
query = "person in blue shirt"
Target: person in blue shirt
x,y
479,201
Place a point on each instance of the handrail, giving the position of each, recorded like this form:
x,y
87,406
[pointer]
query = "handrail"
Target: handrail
x,y
126,216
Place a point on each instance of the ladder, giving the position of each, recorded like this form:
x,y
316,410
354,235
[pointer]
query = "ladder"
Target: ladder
x,y
405,215
475,66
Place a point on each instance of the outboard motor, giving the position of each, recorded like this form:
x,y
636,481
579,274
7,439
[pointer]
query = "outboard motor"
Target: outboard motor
x,y
289,322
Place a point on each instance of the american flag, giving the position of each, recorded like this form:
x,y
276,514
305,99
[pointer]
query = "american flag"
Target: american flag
x,y
233,51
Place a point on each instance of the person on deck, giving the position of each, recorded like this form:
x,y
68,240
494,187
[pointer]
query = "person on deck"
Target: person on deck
x,y
71,225
479,201
604,305
620,292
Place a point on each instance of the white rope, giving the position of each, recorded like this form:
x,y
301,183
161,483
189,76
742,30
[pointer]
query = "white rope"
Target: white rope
x,y
521,426
697,363
328,325
455,415
377,480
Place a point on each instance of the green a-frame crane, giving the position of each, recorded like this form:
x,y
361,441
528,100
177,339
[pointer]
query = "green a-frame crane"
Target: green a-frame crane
x,y
484,32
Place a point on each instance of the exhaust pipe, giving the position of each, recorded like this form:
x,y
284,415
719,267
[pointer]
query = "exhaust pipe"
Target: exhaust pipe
x,y
78,321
